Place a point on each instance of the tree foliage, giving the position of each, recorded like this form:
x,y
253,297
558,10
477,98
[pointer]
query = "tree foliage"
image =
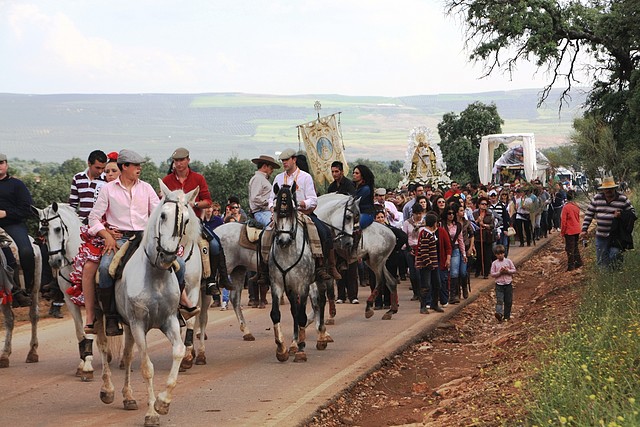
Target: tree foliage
x,y
600,38
460,137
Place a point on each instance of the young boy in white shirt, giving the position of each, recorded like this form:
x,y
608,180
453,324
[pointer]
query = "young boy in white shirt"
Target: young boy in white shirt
x,y
503,269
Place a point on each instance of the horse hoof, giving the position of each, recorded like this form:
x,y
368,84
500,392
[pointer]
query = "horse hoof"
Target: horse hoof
x,y
249,337
130,405
86,376
389,314
321,345
368,313
107,397
4,362
293,349
161,407
282,357
151,420
301,356
187,363
79,372
330,322
201,359
32,357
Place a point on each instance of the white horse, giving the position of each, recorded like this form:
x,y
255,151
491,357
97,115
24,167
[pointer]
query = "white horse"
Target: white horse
x,y
32,356
60,224
292,270
375,246
147,297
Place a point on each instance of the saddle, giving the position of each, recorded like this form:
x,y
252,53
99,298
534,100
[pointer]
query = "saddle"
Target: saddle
x,y
122,256
312,232
249,237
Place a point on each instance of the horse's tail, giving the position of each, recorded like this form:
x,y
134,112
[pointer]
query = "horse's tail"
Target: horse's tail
x,y
115,344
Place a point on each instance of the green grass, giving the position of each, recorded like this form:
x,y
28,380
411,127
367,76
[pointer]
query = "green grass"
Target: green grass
x,y
590,375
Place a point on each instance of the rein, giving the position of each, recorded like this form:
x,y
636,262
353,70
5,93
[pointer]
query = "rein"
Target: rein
x,y
286,208
348,208
44,231
178,230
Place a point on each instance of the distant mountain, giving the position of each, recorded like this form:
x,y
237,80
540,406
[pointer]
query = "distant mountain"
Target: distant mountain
x,y
218,126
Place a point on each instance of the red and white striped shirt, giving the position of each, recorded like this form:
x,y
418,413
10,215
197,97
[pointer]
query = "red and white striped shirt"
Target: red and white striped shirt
x,y
83,191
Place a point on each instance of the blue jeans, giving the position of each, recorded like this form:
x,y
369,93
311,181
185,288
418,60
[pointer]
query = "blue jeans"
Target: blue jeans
x,y
105,281
414,277
444,286
429,287
263,217
214,247
504,300
606,255
20,235
456,261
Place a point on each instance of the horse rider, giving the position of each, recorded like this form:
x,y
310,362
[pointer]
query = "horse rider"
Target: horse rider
x,y
15,208
126,204
183,178
260,189
82,195
307,200
259,194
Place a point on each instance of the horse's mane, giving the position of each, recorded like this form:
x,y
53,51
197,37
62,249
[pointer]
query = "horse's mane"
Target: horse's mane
x,y
330,197
192,230
65,210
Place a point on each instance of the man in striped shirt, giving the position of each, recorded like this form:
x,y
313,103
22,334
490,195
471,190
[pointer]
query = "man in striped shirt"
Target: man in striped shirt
x,y
84,184
605,206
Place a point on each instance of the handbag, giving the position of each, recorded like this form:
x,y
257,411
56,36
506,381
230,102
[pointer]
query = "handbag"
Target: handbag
x,y
511,231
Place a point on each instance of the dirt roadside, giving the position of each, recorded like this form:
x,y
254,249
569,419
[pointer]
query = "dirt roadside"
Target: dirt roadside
x,y
468,370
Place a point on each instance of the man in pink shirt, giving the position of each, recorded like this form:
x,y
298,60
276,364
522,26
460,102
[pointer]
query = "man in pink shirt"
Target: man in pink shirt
x,y
125,204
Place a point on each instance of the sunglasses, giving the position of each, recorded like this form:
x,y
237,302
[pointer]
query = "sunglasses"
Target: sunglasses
x,y
235,207
451,213
483,204
441,201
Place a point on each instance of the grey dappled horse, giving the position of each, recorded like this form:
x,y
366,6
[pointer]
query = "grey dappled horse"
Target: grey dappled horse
x,y
292,271
147,297
7,311
375,246
60,224
340,213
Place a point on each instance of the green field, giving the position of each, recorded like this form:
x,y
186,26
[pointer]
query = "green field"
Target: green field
x,y
225,125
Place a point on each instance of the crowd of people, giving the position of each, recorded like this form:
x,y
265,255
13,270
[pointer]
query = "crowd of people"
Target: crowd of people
x,y
443,235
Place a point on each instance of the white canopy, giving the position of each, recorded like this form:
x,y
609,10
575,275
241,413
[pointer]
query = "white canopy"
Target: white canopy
x,y
489,143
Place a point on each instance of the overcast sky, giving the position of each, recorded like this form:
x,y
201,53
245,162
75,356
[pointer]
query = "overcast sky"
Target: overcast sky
x,y
349,47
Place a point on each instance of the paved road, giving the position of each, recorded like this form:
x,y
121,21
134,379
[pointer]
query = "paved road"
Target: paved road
x,y
243,383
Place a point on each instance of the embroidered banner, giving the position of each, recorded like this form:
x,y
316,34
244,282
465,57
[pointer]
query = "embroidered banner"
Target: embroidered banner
x,y
323,144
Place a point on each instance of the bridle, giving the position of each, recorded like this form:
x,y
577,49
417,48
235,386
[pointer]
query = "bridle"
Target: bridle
x,y
285,207
179,228
44,232
349,207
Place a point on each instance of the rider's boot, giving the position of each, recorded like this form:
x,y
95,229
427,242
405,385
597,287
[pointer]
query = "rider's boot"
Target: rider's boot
x,y
112,319
20,297
332,265
223,276
54,310
321,270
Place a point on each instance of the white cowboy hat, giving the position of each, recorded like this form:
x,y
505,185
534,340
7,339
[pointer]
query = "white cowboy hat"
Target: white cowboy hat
x,y
608,183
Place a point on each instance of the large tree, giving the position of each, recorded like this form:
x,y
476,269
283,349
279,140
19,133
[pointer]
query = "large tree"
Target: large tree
x,y
460,138
598,38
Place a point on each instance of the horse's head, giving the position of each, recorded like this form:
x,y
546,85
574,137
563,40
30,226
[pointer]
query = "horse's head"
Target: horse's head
x,y
341,213
169,226
285,214
55,229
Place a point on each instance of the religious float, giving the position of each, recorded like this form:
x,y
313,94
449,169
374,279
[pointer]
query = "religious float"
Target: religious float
x,y
423,162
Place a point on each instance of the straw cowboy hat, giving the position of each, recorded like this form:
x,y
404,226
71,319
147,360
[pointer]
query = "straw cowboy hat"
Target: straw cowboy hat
x,y
608,183
266,159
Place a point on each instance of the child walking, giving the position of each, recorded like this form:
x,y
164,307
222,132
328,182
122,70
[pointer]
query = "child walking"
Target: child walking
x,y
502,269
